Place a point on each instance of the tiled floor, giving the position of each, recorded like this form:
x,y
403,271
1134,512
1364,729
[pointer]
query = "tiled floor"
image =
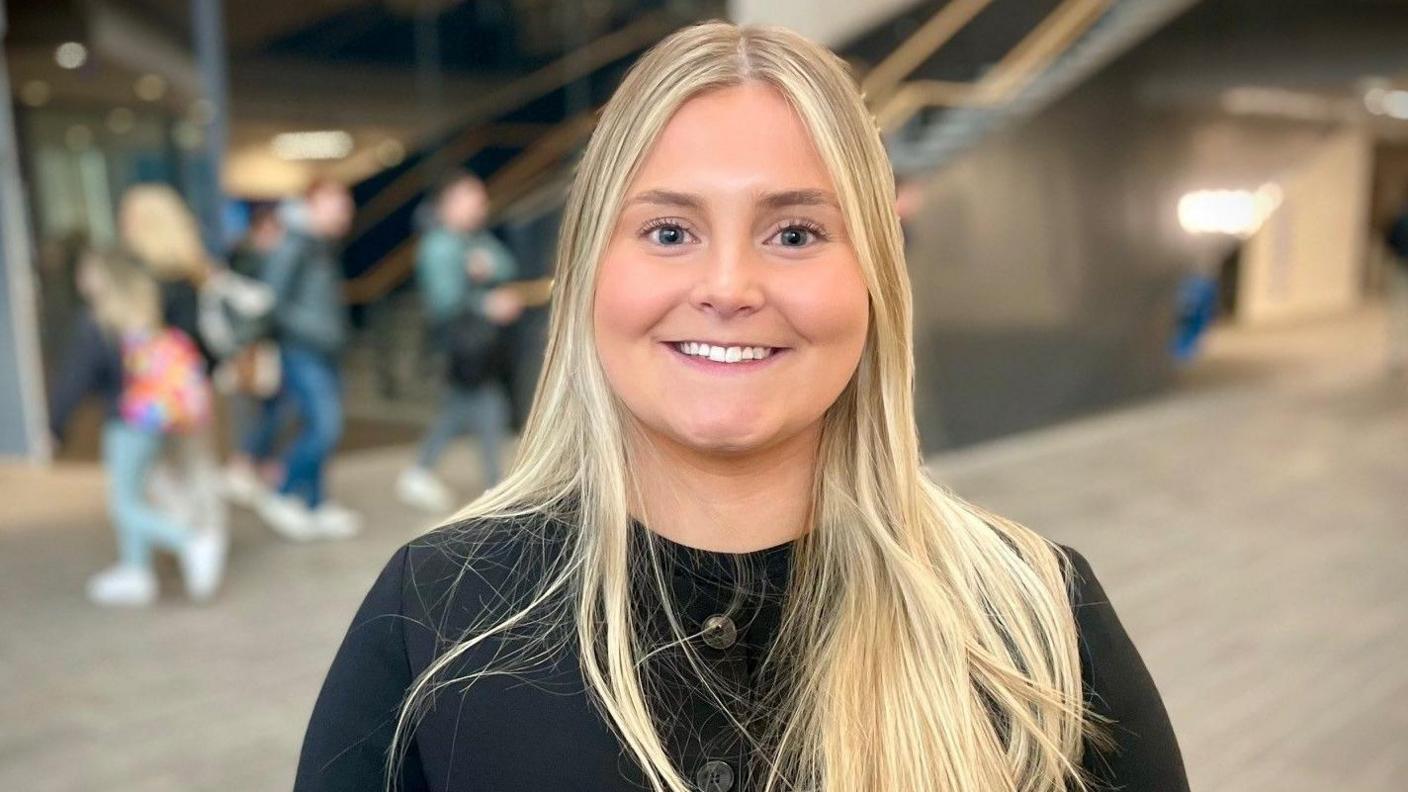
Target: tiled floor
x,y
1252,530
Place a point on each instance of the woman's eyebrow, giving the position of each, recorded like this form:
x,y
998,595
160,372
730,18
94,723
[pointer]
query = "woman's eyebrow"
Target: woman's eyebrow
x,y
773,200
666,198
786,198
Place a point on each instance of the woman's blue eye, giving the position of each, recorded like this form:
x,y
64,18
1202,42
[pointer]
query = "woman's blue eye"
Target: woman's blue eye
x,y
797,236
794,236
668,234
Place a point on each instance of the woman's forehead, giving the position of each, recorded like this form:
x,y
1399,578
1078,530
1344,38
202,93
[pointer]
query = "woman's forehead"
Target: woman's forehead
x,y
745,139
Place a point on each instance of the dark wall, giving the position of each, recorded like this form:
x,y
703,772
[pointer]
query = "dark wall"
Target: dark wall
x,y
1045,260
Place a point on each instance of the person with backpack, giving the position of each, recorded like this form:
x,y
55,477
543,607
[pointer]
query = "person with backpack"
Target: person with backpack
x,y
161,233
151,378
460,269
309,322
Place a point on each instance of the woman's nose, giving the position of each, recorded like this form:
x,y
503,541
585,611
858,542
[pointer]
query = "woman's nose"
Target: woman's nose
x,y
729,281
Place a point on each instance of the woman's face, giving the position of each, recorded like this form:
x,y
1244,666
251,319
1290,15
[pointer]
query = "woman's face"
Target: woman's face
x,y
464,205
730,308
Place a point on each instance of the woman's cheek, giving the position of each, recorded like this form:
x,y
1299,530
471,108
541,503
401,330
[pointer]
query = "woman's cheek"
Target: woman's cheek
x,y
622,301
832,312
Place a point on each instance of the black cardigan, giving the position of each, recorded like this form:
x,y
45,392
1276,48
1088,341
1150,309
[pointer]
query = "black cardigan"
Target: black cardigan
x,y
537,730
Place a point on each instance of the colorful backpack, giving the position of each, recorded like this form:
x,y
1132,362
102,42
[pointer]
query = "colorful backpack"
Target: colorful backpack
x,y
164,385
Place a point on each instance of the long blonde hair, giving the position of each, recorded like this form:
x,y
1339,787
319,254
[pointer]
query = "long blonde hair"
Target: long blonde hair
x,y
160,230
926,644
121,295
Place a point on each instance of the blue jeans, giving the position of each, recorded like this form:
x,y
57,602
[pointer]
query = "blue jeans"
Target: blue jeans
x,y
129,454
483,411
311,384
261,424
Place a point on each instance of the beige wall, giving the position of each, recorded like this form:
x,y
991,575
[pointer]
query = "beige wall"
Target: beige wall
x,y
1307,258
832,22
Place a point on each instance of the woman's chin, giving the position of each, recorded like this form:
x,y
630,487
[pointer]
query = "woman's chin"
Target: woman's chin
x,y
723,439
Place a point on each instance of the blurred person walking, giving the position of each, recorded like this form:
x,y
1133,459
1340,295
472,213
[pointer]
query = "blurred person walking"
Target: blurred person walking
x,y
309,322
250,376
161,233
460,269
153,384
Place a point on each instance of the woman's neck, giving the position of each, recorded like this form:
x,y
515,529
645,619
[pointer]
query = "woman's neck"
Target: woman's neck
x,y
726,503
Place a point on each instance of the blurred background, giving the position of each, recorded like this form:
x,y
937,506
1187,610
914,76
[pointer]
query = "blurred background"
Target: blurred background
x,y
1159,251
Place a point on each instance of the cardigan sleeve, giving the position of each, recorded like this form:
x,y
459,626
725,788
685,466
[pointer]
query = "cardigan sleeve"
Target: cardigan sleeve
x,y
348,742
1143,754
93,362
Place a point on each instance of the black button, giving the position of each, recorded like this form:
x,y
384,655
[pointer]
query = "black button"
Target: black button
x,y
719,632
714,776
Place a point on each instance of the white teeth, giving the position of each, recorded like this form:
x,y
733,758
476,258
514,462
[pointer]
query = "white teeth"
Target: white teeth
x,y
733,354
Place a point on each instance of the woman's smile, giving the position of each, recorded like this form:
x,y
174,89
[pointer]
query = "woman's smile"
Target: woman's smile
x,y
724,358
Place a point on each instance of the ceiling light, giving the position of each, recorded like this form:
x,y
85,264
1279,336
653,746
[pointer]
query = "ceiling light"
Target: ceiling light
x,y
149,87
70,55
121,120
188,136
35,93
1232,212
1374,100
1395,105
327,144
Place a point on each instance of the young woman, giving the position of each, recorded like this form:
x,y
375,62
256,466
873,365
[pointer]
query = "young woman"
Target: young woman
x,y
717,562
159,229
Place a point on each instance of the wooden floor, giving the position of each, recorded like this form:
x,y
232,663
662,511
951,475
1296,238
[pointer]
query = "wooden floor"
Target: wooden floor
x,y
1251,529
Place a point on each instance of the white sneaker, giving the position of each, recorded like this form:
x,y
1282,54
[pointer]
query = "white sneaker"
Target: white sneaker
x,y
123,586
331,521
242,485
419,488
288,516
203,563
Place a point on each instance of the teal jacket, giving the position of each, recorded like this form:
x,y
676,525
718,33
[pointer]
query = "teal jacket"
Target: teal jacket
x,y
306,279
442,274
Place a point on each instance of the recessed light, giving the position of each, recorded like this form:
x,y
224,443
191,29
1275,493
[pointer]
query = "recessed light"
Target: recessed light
x,y
121,120
187,135
323,144
35,93
71,55
149,87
